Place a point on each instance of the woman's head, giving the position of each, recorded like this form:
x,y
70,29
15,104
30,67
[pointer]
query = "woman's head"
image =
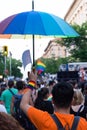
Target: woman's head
x,y
43,93
78,97
7,122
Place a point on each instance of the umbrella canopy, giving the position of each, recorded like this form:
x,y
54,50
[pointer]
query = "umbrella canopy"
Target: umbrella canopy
x,y
5,36
36,23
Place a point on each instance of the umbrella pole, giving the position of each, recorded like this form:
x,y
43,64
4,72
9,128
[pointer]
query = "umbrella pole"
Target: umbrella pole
x,y
33,51
33,38
32,4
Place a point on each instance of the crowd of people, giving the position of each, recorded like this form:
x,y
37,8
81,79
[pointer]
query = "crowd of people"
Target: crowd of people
x,y
40,100
82,74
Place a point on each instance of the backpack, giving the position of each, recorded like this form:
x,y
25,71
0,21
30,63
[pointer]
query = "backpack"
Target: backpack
x,y
60,126
19,115
79,110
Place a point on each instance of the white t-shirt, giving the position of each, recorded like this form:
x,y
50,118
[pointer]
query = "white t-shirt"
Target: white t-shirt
x,y
2,108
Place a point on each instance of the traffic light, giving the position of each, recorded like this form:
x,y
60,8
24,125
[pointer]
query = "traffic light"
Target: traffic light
x,y
5,50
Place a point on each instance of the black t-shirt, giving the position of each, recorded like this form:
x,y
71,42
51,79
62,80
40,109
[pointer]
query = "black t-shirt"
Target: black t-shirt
x,y
45,106
82,113
85,100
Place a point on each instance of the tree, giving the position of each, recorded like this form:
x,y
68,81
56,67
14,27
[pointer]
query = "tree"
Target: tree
x,y
1,64
52,65
16,71
15,65
78,44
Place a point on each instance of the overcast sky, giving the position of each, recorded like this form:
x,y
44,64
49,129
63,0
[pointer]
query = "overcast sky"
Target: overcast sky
x,y
57,7
10,7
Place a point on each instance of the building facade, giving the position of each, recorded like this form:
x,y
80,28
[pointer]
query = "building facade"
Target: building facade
x,y
54,50
77,12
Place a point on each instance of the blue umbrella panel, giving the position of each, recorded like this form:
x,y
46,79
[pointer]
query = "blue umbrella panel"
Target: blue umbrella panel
x,y
36,23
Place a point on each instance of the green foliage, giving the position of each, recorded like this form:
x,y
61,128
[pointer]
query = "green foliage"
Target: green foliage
x,y
79,50
16,64
1,65
15,67
52,65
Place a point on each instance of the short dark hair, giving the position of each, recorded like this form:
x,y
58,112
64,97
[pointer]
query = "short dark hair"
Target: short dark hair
x,y
51,82
11,83
19,85
62,94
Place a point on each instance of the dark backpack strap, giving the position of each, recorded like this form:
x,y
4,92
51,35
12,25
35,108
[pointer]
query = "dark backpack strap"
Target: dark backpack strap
x,y
11,92
79,110
75,123
58,123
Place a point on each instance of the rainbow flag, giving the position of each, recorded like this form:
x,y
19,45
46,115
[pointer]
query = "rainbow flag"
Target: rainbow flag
x,y
40,67
31,85
50,98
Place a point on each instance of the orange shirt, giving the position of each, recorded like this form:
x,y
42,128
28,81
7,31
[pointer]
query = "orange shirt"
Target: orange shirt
x,y
43,121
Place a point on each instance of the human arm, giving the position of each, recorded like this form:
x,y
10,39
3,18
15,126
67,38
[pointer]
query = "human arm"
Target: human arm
x,y
2,99
26,101
33,75
12,106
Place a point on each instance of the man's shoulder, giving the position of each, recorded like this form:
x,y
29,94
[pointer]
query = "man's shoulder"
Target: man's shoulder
x,y
5,92
82,124
14,90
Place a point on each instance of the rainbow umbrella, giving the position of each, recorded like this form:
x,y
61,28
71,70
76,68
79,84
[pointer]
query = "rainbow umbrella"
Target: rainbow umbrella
x,y
36,23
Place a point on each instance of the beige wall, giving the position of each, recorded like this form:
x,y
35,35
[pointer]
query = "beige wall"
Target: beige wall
x,y
54,50
77,13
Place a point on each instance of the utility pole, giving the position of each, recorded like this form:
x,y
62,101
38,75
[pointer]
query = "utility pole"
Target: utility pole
x,y
5,64
5,53
10,56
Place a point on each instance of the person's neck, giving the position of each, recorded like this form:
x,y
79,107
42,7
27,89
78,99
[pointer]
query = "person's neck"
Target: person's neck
x,y
20,91
62,110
